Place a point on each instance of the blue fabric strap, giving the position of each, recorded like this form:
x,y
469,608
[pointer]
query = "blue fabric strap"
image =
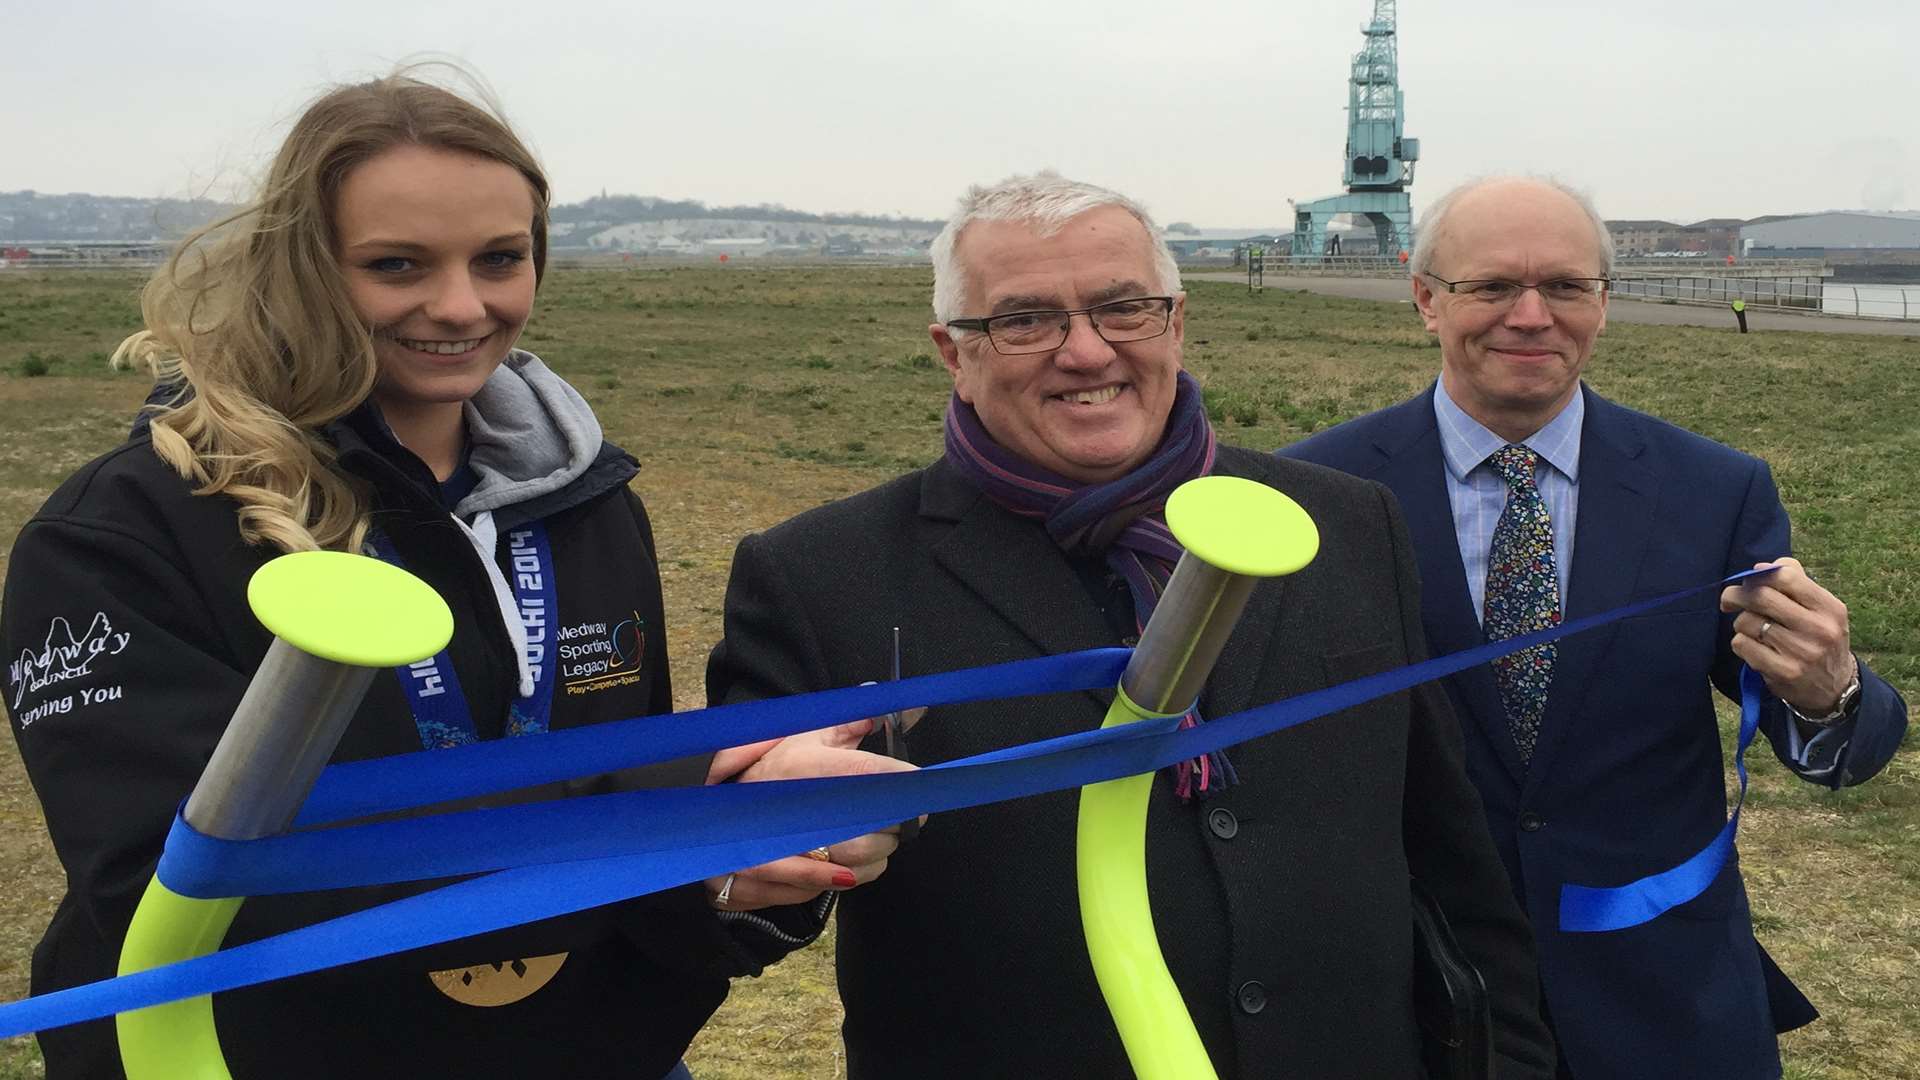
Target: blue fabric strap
x,y
407,781
439,705
531,560
553,859
1584,909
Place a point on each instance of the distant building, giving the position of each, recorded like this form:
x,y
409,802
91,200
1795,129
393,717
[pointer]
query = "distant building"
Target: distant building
x,y
1634,237
1640,238
735,245
1715,236
1843,230
1223,243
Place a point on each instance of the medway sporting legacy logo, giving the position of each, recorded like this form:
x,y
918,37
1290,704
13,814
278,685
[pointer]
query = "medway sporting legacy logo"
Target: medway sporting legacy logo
x,y
600,656
63,658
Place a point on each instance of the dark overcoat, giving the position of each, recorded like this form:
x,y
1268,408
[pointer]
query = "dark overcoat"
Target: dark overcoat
x,y
1281,903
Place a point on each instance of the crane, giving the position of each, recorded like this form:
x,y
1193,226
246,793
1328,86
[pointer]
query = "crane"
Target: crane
x,y
1379,157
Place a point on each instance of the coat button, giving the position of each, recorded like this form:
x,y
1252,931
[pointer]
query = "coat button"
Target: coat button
x,y
1251,997
1532,822
1223,823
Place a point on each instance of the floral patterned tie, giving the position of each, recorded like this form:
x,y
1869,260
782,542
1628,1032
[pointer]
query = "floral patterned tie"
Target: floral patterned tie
x,y
1523,595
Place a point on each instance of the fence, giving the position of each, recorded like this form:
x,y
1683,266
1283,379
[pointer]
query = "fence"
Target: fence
x,y
84,260
1787,294
1785,284
1258,266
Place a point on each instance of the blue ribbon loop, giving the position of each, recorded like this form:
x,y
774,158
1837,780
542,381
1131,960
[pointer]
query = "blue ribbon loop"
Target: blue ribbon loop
x,y
1585,909
550,859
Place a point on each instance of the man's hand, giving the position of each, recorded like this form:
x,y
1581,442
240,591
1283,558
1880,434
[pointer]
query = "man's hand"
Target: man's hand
x,y
831,751
1793,633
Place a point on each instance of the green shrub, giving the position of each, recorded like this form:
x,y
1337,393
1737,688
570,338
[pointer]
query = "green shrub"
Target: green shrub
x,y
1213,401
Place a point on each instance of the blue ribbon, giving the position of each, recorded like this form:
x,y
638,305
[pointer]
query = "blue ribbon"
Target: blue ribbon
x,y
1584,909
408,781
557,858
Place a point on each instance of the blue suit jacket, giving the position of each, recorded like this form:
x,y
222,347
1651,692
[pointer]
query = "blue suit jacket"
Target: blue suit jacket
x,y
1628,777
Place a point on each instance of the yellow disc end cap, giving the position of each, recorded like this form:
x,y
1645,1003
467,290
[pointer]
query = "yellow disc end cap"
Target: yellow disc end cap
x,y
1242,526
350,608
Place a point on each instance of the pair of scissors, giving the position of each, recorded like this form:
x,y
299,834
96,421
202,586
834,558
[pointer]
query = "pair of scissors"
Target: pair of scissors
x,y
896,725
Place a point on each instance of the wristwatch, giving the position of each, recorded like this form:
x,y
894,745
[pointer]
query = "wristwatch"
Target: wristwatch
x,y
1849,700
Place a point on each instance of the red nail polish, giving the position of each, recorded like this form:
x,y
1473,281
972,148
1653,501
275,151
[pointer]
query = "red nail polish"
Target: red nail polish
x,y
844,879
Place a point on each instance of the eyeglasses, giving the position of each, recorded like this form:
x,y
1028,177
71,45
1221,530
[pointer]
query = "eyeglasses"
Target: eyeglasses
x,y
1118,321
1560,292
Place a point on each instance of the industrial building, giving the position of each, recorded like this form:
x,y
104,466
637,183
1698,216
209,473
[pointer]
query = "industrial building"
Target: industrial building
x,y
1187,243
1838,230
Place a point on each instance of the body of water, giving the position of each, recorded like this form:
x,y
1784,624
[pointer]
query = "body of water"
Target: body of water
x,y
1867,298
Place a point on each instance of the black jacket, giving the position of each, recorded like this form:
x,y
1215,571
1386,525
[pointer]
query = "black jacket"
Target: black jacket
x,y
1282,904
125,553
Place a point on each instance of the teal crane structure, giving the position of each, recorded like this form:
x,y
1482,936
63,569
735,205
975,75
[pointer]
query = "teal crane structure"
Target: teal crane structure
x,y
1379,159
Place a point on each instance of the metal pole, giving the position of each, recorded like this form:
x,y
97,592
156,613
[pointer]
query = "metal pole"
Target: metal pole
x,y
1183,640
286,727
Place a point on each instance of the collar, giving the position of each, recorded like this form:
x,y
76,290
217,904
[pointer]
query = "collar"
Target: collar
x,y
1466,443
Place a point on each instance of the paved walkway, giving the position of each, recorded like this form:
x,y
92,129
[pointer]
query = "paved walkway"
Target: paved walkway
x,y
1620,308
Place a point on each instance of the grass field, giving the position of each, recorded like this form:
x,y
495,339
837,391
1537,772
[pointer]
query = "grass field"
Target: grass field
x,y
750,395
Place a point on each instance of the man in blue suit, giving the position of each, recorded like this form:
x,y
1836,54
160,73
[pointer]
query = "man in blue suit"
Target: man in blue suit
x,y
1533,500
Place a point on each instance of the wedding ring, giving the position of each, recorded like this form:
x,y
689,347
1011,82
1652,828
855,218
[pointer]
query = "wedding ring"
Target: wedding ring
x,y
820,854
1765,625
725,895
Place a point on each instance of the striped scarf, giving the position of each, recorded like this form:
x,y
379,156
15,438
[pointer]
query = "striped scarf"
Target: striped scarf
x,y
1124,520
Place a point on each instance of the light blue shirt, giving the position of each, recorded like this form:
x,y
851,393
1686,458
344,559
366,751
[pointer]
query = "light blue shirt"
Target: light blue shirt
x,y
1478,494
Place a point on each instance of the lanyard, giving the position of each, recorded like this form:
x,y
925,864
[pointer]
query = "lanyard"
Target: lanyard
x,y
440,709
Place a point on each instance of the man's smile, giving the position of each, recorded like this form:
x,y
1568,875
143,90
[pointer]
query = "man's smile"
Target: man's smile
x,y
1098,395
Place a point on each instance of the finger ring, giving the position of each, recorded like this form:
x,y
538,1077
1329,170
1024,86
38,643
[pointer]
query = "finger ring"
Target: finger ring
x,y
1765,625
820,854
725,895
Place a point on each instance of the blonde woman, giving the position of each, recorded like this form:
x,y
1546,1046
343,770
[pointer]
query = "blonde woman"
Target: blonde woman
x,y
342,374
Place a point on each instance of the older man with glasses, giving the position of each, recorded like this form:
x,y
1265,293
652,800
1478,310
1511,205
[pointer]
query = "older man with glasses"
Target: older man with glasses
x,y
1280,870
1533,500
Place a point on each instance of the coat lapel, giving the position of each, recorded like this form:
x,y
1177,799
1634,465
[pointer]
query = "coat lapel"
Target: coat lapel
x,y
1013,569
1021,575
1617,495
1414,467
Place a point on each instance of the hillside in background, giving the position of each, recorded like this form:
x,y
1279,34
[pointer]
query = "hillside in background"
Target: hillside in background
x,y
29,217
604,210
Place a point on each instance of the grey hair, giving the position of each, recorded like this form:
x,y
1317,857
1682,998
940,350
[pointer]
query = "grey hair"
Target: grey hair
x,y
1434,221
1045,200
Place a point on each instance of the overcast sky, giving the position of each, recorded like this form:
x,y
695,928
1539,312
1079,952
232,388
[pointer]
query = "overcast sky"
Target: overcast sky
x,y
1211,112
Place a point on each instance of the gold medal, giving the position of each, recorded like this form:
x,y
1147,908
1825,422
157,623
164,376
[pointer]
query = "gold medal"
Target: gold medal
x,y
487,985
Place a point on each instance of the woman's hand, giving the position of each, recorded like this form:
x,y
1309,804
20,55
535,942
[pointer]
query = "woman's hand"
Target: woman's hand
x,y
831,751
